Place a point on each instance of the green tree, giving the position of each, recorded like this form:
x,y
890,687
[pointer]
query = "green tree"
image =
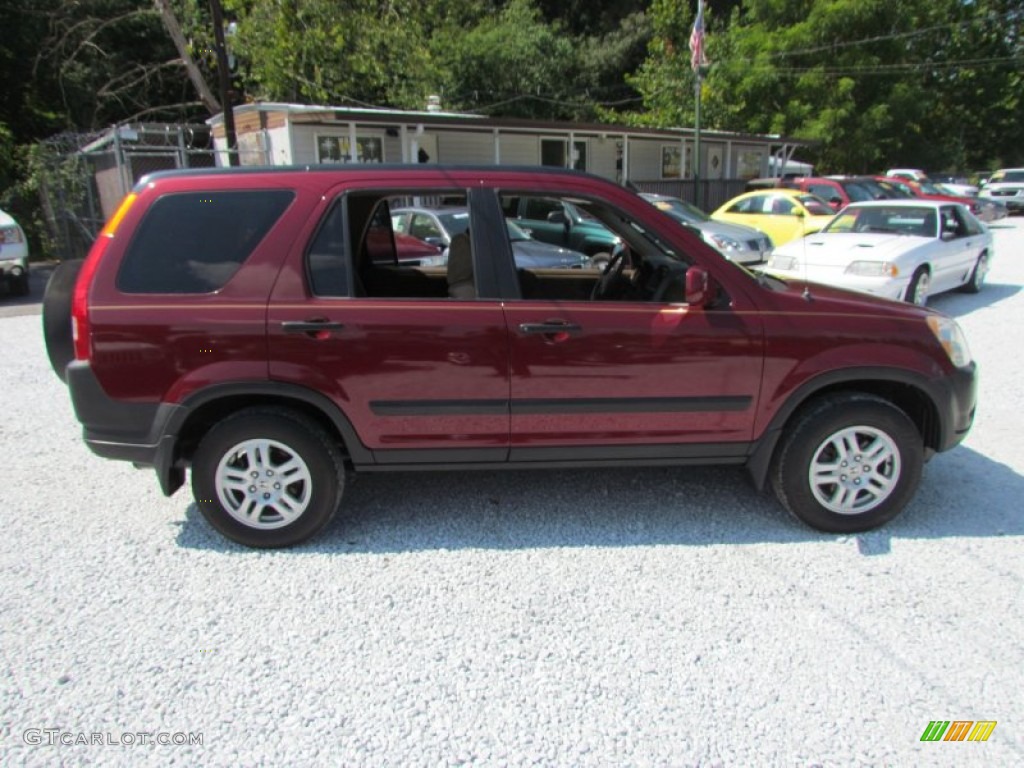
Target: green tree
x,y
872,82
325,52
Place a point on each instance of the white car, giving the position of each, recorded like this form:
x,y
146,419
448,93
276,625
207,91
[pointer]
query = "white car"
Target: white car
x,y
1006,186
13,256
899,249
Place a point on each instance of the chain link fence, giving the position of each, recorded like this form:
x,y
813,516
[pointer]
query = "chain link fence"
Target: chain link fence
x,y
82,177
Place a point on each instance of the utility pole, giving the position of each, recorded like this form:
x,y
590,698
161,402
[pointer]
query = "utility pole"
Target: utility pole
x,y
224,81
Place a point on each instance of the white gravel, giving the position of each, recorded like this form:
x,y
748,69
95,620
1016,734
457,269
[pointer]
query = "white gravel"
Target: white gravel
x,y
635,617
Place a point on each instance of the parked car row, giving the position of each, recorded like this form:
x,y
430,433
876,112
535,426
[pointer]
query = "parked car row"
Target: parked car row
x,y
896,246
436,227
896,184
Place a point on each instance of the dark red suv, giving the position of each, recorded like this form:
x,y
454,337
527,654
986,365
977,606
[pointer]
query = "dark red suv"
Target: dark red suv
x,y
259,327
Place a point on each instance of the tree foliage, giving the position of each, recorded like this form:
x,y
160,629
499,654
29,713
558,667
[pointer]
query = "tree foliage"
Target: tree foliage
x,y
873,82
932,83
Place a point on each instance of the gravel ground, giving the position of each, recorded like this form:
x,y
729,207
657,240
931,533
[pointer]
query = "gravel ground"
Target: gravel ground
x,y
634,617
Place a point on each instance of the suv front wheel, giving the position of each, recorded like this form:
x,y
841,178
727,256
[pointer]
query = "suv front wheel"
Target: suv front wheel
x,y
848,463
267,477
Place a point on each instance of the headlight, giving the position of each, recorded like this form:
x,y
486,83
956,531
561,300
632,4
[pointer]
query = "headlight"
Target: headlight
x,y
725,243
782,262
951,338
873,269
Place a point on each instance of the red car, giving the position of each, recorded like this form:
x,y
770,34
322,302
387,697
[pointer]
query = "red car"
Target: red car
x,y
925,190
258,328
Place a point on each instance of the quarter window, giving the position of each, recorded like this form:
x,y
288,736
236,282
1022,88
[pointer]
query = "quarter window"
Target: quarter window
x,y
195,242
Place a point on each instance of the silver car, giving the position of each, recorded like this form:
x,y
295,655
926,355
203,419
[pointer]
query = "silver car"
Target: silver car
x,y
738,243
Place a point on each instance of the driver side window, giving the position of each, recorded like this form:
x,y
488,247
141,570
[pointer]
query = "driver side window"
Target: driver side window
x,y
601,254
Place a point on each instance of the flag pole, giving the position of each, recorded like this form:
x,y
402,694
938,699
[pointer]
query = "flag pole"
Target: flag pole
x,y
697,63
698,192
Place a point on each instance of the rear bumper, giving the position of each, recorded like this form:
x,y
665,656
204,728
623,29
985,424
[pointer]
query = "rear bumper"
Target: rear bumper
x,y
135,432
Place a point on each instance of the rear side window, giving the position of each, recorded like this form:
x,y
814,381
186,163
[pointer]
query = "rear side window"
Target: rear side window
x,y
194,242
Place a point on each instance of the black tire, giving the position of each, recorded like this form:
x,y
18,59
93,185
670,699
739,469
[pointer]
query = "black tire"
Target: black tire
x,y
978,274
20,286
921,275
60,347
867,422
292,438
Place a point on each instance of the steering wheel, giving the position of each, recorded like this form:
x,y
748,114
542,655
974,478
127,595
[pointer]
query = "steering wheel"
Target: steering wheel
x,y
611,275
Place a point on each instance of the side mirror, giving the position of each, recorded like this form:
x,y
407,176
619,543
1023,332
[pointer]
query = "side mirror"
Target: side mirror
x,y
700,288
558,217
948,234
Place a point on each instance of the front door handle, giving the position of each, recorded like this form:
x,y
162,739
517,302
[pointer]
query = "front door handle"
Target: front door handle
x,y
552,331
549,327
318,328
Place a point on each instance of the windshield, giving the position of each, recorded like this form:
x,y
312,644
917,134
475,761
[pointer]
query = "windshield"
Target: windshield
x,y
815,205
515,232
895,191
857,192
454,223
901,220
1015,176
684,210
930,189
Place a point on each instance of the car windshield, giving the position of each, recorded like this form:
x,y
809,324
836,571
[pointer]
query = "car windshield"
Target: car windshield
x,y
683,209
930,189
454,223
1015,176
901,220
895,191
815,205
515,232
857,192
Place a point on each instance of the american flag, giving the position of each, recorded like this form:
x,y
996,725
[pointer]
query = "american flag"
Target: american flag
x,y
697,57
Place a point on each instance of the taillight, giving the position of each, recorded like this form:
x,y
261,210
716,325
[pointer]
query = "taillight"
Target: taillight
x,y
80,329
80,296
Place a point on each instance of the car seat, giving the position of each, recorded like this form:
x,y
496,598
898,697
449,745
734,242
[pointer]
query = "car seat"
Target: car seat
x,y
460,268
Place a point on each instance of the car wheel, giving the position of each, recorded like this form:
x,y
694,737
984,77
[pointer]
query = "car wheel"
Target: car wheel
x,y
20,287
60,347
917,291
977,276
267,477
848,463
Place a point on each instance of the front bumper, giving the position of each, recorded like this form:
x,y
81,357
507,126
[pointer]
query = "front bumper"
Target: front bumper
x,y
956,396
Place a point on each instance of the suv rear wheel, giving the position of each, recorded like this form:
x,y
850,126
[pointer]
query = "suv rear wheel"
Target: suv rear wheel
x,y
267,477
848,463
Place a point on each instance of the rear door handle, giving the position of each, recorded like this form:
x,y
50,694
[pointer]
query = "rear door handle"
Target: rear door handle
x,y
310,326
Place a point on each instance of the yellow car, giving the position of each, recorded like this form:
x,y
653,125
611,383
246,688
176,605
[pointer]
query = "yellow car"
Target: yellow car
x,y
784,214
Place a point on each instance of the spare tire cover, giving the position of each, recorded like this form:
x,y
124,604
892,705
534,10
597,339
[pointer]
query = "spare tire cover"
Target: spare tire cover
x,y
60,346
